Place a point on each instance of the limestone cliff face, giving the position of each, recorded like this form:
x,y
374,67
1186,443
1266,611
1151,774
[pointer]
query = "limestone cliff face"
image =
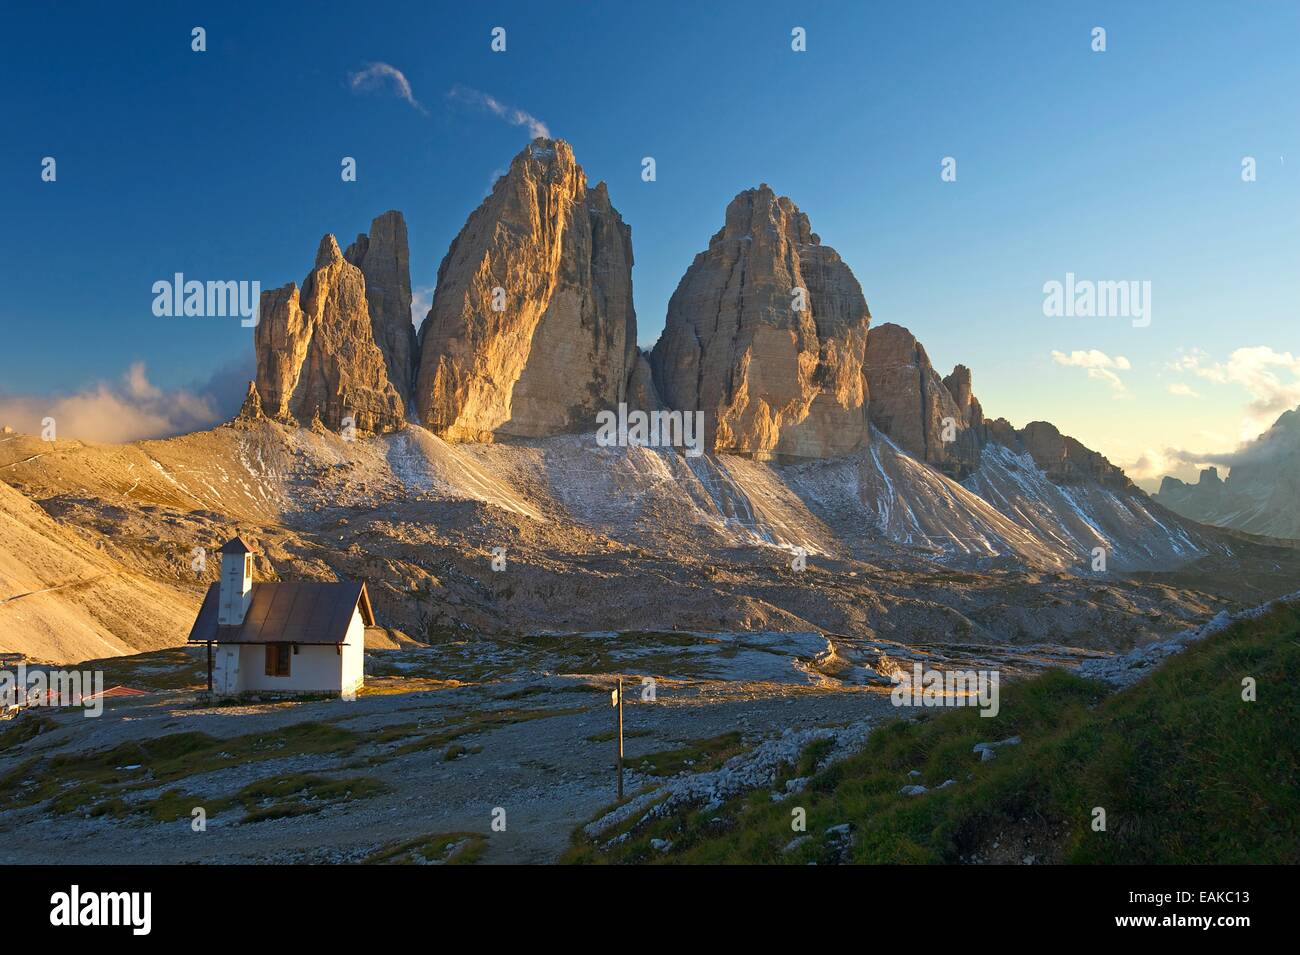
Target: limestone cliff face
x,y
936,420
384,260
532,329
766,335
316,351
641,392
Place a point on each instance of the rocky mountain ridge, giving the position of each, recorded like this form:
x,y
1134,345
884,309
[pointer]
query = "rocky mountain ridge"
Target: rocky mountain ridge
x,y
532,332
1262,492
595,539
317,357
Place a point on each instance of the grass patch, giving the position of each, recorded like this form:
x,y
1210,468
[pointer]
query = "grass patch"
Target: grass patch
x,y
456,751
74,782
699,756
446,848
1187,772
398,684
608,735
523,693
298,794
22,728
175,668
276,797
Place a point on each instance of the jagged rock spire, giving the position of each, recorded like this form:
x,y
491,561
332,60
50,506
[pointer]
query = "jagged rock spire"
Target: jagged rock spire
x,y
532,329
766,335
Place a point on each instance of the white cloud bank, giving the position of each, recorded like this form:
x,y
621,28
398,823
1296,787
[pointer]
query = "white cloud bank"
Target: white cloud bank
x,y
1271,379
130,408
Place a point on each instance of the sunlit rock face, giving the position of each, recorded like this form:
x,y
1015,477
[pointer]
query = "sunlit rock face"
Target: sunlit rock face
x,y
316,351
532,330
766,335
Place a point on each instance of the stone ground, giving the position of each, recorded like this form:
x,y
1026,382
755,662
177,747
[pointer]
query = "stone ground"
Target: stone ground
x,y
458,731
551,773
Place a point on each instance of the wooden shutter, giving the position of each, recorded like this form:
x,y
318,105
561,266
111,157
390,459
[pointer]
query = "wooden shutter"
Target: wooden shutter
x,y
277,659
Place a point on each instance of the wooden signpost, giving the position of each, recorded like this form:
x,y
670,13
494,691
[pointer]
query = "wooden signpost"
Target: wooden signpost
x,y
616,699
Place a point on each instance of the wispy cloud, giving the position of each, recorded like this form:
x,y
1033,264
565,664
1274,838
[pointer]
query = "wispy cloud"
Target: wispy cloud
x,y
1271,379
129,408
380,75
1187,464
1098,364
511,114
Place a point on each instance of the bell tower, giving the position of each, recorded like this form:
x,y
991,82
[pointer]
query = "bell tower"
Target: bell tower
x,y
236,591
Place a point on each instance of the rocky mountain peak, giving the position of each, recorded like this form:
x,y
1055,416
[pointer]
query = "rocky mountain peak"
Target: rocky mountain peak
x,y
384,259
1066,461
251,409
547,158
316,351
532,329
766,335
328,251
760,214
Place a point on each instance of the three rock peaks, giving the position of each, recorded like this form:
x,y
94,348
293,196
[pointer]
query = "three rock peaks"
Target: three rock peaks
x,y
532,332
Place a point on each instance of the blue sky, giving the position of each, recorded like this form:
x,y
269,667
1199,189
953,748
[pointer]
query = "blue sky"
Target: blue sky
x,y
1122,165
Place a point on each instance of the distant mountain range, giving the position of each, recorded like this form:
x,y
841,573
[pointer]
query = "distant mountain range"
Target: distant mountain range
x,y
1262,492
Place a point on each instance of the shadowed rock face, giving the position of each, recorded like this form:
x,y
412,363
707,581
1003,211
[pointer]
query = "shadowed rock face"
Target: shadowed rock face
x,y
1063,459
917,409
560,343
316,352
772,374
384,260
641,392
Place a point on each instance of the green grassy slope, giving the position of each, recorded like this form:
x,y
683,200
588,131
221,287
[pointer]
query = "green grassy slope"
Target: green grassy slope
x,y
1186,771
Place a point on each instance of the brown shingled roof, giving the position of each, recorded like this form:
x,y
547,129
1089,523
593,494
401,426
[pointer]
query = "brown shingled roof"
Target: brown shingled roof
x,y
297,611
236,545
